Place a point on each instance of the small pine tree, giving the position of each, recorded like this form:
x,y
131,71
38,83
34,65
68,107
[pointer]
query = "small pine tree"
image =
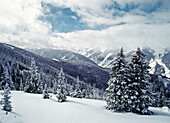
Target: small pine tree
x,y
40,85
84,93
21,86
45,92
61,93
161,99
6,103
71,90
55,87
29,85
77,92
88,95
155,95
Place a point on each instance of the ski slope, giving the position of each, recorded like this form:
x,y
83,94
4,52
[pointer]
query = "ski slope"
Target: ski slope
x,y
32,108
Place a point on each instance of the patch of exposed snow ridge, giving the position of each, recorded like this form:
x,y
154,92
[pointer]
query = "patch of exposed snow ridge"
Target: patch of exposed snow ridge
x,y
105,59
56,59
9,46
167,71
152,64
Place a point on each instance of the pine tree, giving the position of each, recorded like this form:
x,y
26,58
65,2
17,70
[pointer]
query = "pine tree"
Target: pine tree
x,y
21,86
40,85
45,92
94,91
29,85
141,95
77,92
61,93
71,90
84,93
6,103
116,93
6,78
32,85
55,87
17,75
161,99
88,95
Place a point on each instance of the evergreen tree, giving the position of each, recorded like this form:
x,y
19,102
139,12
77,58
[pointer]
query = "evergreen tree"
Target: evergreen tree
x,y
88,95
61,93
161,99
71,90
155,94
40,85
45,92
55,87
29,85
6,103
140,86
117,91
17,76
6,78
77,92
32,85
21,87
84,93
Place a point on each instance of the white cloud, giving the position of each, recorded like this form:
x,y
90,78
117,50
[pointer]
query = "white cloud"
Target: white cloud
x,y
128,36
20,24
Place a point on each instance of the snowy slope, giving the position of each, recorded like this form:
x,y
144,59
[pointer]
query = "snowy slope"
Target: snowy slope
x,y
31,108
84,68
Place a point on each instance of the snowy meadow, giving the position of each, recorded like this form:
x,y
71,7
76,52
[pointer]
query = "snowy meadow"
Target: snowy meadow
x,y
32,108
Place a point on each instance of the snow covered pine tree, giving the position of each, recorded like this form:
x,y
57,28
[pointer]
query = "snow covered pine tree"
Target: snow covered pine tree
x,y
77,92
45,92
33,82
6,103
140,85
6,78
61,93
117,91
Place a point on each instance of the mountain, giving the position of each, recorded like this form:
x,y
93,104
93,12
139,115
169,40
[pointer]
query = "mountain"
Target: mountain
x,y
64,55
159,60
87,72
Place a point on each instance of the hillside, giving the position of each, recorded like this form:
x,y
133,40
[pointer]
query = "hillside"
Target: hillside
x,y
87,72
31,108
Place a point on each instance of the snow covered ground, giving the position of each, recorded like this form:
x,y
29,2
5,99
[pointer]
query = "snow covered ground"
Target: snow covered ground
x,y
31,108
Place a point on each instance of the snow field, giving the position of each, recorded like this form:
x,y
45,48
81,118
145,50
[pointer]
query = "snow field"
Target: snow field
x,y
32,108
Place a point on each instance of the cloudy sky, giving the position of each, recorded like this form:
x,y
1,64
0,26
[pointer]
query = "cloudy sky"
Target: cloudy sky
x,y
85,23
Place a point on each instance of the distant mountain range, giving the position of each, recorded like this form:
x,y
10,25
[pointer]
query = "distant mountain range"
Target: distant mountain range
x,y
159,61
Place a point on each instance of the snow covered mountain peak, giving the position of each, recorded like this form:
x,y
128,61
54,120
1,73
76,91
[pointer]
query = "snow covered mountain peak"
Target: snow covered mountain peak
x,y
159,59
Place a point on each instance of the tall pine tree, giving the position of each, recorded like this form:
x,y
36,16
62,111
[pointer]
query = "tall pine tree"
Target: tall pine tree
x,y
140,86
33,82
116,93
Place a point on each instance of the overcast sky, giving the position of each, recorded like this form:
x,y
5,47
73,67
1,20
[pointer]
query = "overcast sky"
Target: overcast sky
x,y
85,23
